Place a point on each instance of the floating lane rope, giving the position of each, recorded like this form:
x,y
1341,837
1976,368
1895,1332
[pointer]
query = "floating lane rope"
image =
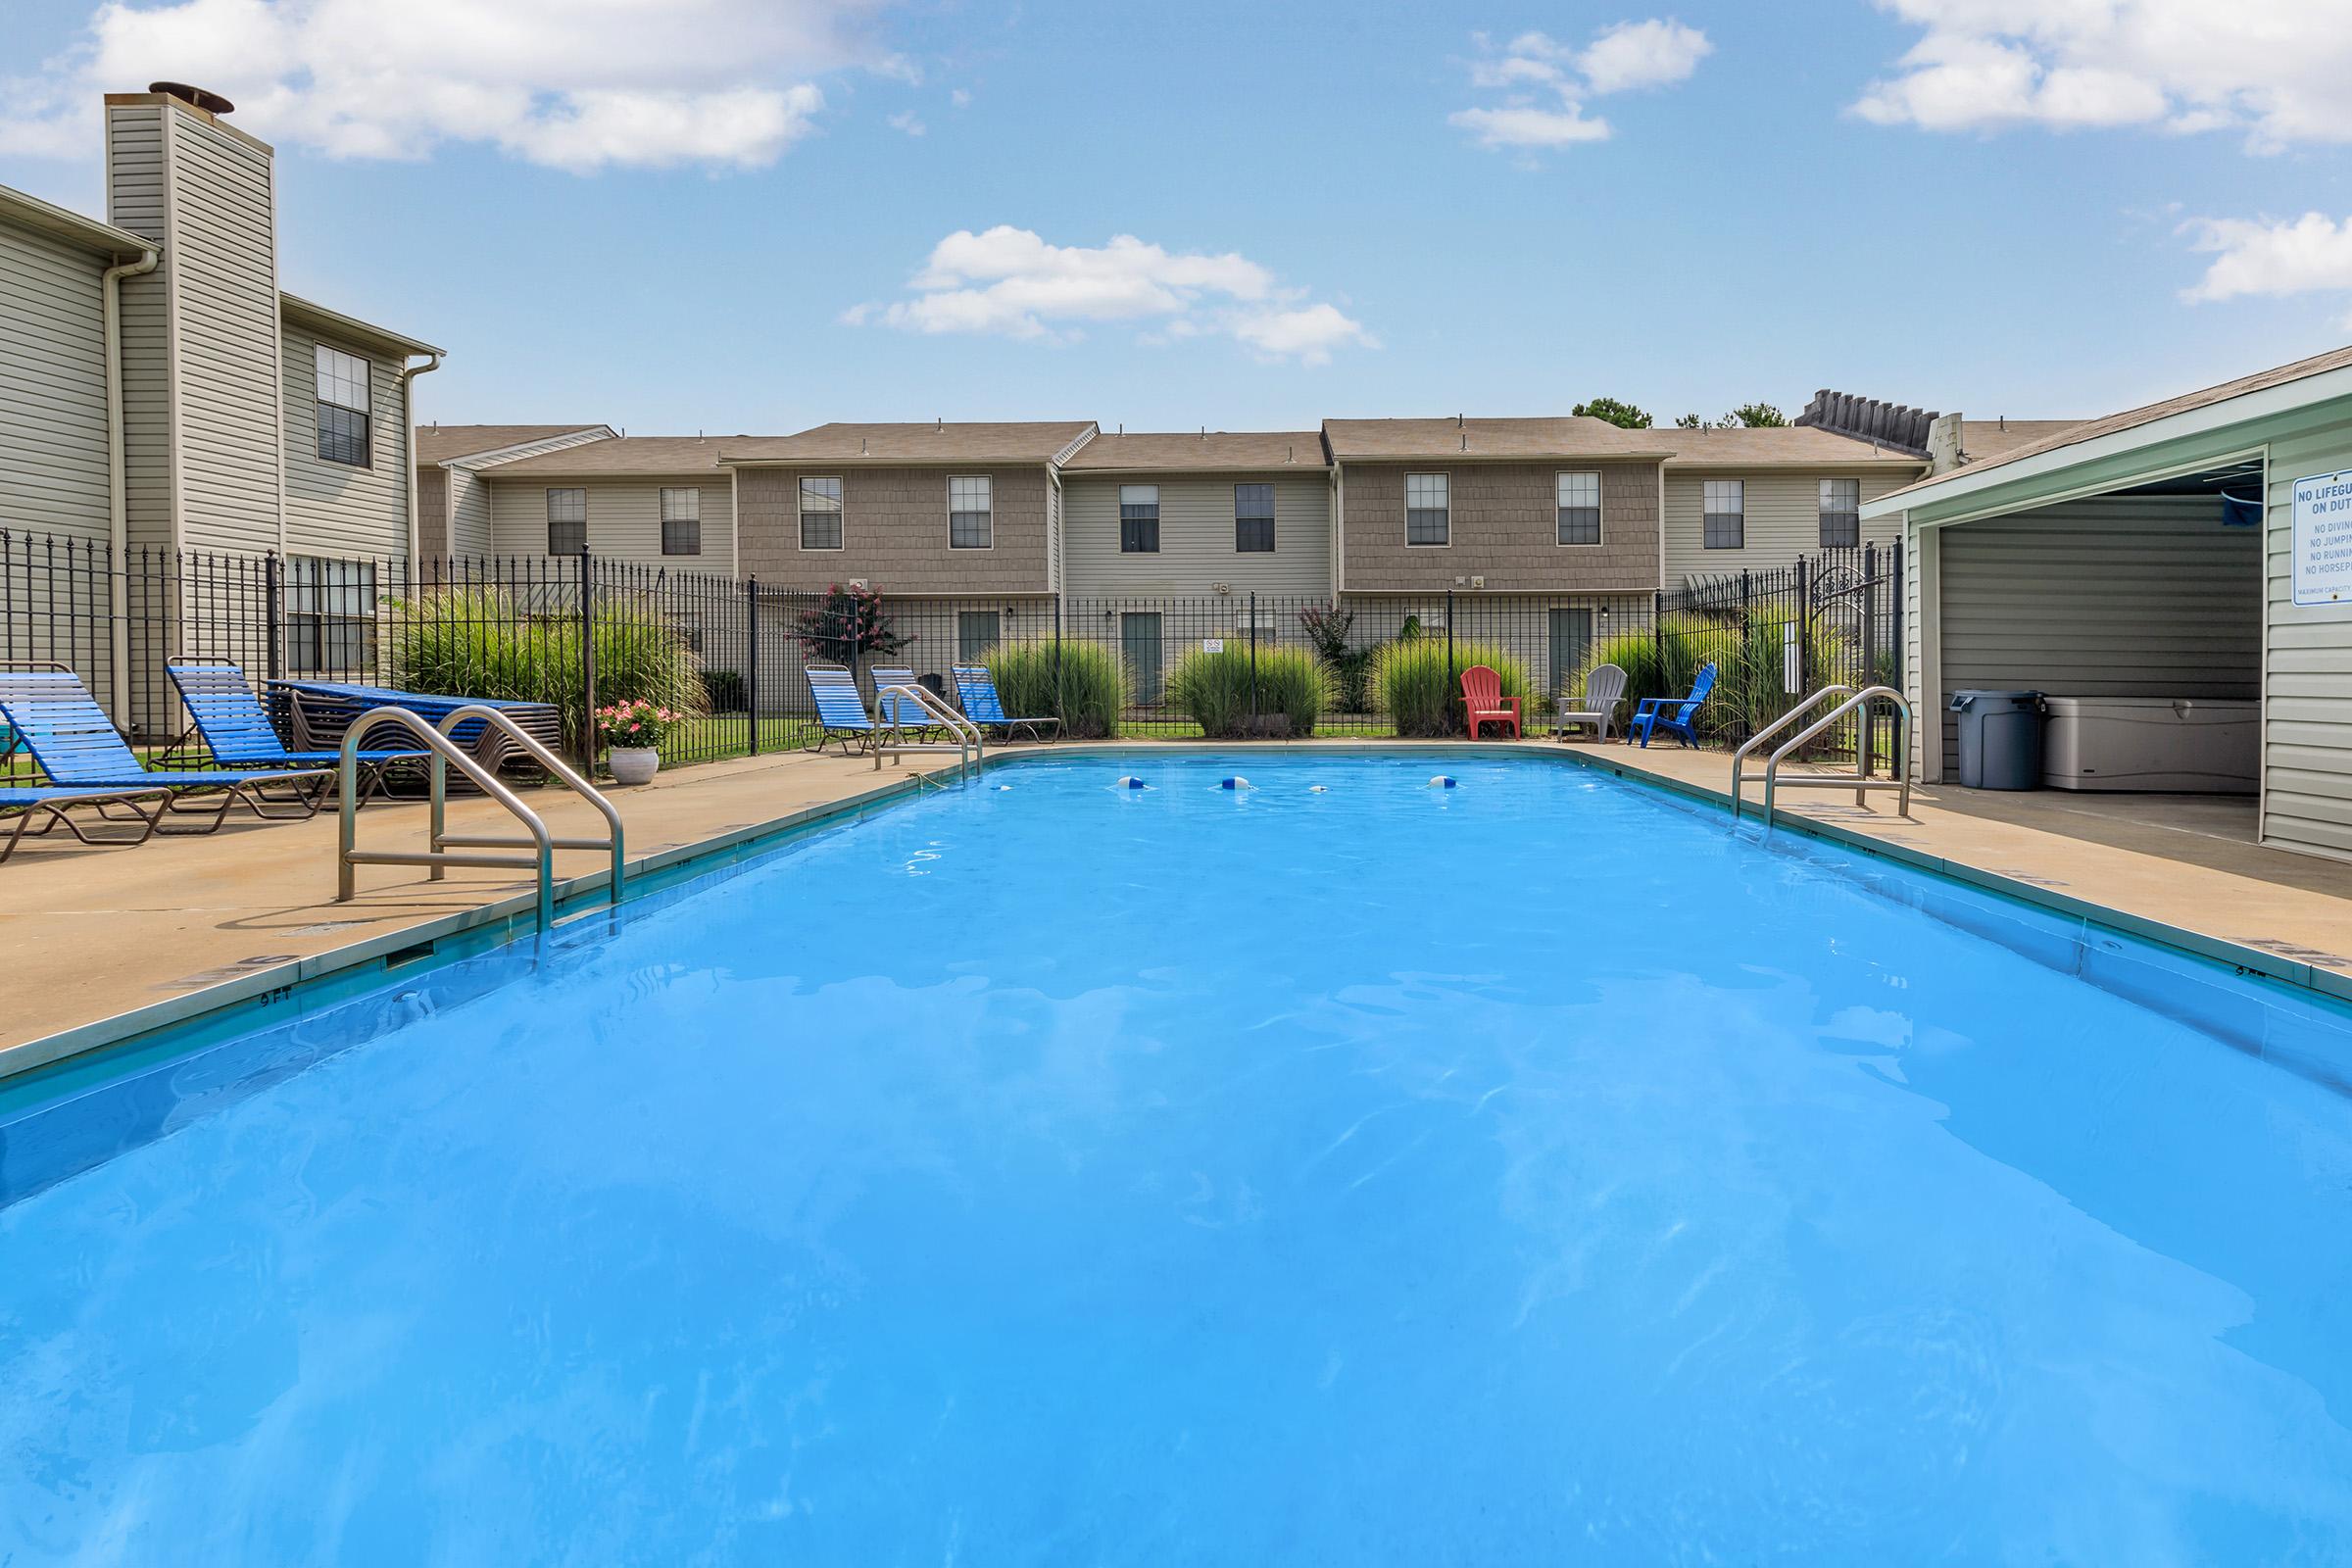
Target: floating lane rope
x,y
1236,782
1440,781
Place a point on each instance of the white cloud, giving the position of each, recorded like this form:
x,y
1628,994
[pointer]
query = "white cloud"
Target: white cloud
x,y
1012,282
2308,254
1545,82
2272,68
573,85
960,99
907,121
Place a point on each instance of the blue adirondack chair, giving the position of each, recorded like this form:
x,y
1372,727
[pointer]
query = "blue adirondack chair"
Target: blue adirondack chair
x,y
76,746
237,731
1673,714
839,711
976,691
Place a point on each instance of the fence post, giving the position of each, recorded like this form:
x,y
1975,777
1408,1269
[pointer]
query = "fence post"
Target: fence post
x,y
587,665
1804,628
276,597
1449,638
751,660
1870,655
1657,638
1060,706
1252,663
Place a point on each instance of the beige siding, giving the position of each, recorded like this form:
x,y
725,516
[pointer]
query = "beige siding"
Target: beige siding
x,y
1197,537
1504,528
1783,520
53,477
895,531
2114,597
470,532
2307,691
137,179
624,518
333,509
223,269
1921,580
432,512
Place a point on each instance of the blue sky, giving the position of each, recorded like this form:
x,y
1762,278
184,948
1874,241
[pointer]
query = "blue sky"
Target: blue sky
x,y
1924,200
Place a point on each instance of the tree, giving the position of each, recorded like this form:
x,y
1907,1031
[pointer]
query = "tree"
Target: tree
x,y
1616,411
1756,416
844,623
1691,422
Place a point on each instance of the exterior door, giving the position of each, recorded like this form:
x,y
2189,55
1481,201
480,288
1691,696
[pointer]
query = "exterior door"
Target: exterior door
x,y
1139,641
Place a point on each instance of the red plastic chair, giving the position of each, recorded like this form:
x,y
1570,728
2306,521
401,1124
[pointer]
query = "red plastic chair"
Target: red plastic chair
x,y
1482,695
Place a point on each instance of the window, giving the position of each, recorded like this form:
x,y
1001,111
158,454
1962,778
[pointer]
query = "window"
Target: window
x,y
567,521
821,514
1840,513
976,632
1726,514
971,526
1427,509
342,389
1254,519
330,616
681,521
1139,519
1579,508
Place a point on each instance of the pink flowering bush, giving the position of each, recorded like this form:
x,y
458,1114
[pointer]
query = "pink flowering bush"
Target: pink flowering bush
x,y
636,723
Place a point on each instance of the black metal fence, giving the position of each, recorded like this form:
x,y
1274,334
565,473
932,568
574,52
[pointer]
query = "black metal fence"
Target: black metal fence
x,y
579,633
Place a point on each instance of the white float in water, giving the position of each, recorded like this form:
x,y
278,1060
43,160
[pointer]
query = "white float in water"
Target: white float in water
x,y
1001,788
1317,789
1236,782
1128,781
1441,782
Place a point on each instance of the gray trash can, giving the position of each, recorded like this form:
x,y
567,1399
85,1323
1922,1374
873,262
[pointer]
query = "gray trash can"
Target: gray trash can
x,y
2001,739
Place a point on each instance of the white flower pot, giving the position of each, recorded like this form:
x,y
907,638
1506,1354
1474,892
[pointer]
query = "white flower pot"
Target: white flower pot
x,y
633,765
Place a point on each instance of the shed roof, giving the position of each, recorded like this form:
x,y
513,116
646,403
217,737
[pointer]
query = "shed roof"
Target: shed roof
x,y
1202,450
624,454
445,442
1020,441
1782,446
321,319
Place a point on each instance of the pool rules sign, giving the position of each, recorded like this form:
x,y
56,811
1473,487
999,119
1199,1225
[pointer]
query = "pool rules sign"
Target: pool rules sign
x,y
2323,542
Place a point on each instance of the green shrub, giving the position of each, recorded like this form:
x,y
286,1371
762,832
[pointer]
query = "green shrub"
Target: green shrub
x,y
1332,632
1750,678
479,643
1088,695
1293,689
725,690
1420,687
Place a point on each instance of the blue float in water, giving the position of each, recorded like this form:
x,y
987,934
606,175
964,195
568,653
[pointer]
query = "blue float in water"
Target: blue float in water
x,y
1441,782
1236,782
1128,781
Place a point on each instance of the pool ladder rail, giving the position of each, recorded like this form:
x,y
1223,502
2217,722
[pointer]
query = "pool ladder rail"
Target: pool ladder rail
x,y
1861,780
968,745
446,753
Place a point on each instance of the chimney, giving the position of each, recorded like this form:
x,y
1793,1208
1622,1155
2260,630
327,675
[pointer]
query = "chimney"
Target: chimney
x,y
1943,444
179,174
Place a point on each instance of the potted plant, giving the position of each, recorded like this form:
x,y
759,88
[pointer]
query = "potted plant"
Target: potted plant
x,y
632,734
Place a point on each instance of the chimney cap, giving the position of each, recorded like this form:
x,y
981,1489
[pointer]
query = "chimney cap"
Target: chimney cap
x,y
212,103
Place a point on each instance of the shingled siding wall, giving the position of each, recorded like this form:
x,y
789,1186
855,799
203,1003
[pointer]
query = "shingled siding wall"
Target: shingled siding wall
x,y
895,531
1505,528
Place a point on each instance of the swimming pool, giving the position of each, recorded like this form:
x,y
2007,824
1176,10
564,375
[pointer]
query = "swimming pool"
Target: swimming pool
x,y
1341,1169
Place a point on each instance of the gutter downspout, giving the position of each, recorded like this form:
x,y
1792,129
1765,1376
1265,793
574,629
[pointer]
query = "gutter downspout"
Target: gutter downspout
x,y
117,504
408,440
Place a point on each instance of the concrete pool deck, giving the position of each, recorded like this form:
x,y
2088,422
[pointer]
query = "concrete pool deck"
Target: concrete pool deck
x,y
175,927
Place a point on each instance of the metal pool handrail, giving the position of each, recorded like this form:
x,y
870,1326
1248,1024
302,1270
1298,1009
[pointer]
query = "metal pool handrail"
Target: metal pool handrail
x,y
1857,781
1812,701
349,855
969,742
556,768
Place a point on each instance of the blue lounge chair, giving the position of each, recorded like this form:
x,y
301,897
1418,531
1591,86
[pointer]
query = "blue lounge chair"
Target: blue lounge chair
x,y
899,712
237,731
839,711
50,803
76,745
976,690
1673,714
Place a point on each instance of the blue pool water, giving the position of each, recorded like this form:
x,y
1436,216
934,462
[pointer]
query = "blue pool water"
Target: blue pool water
x,y
1527,1172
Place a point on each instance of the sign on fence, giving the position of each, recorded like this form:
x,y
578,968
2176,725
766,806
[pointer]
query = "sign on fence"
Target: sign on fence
x,y
2323,539
1212,645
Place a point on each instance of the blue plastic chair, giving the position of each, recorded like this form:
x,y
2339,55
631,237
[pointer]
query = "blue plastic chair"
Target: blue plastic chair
x,y
76,744
1673,714
50,803
840,712
237,731
976,690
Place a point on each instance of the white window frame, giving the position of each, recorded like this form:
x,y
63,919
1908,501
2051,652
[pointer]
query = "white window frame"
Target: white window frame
x,y
1445,477
1560,504
693,513
336,377
987,490
1822,512
1132,495
1272,511
1707,509
553,491
839,513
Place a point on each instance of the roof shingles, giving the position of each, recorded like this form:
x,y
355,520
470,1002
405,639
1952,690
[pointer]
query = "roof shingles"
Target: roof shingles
x,y
1022,441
